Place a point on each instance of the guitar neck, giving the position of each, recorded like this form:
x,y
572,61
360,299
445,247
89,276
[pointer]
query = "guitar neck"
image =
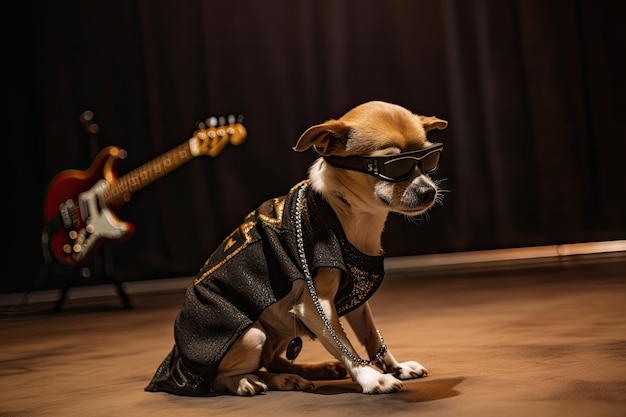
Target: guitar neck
x,y
146,174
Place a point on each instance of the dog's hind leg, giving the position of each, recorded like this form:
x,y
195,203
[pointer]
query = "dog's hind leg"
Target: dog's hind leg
x,y
239,373
309,370
236,373
285,381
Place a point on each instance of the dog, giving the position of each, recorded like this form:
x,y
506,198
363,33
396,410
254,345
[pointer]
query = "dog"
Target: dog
x,y
301,261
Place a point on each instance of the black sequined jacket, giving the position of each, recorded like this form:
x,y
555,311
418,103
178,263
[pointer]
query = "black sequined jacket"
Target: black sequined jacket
x,y
252,269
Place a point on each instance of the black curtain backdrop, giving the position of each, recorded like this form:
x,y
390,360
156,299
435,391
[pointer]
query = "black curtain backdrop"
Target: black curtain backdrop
x,y
533,91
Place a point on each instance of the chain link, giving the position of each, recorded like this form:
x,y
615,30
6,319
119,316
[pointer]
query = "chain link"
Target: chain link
x,y
309,281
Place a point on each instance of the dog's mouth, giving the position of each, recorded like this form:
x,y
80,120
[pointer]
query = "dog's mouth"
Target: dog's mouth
x,y
413,210
414,200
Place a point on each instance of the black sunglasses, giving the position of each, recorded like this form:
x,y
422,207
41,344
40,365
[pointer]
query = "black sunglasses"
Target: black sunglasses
x,y
392,168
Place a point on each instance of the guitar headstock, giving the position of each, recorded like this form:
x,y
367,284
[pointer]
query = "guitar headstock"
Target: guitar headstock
x,y
214,133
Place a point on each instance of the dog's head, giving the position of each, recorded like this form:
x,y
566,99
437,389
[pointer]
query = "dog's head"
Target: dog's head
x,y
377,157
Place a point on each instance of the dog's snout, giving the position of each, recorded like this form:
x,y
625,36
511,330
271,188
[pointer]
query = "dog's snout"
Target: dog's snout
x,y
426,194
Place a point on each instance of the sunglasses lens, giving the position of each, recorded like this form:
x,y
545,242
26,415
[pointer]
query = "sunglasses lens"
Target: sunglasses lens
x,y
400,168
430,162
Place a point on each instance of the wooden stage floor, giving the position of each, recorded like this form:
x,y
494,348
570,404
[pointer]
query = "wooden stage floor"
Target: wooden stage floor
x,y
548,341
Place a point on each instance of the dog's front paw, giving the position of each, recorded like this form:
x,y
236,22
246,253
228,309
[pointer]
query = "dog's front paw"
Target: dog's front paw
x,y
373,382
410,370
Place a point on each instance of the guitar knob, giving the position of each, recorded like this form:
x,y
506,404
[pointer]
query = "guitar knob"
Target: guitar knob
x,y
93,128
86,116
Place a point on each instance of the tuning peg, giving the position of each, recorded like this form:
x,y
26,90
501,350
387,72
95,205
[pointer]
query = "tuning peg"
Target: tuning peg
x,y
211,121
238,134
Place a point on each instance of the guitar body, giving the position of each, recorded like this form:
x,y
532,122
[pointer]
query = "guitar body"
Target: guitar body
x,y
80,206
77,220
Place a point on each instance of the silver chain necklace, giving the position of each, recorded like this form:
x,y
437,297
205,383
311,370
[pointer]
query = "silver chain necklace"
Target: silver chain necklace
x,y
309,281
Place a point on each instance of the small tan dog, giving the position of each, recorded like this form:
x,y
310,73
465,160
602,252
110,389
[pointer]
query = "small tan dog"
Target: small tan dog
x,y
300,262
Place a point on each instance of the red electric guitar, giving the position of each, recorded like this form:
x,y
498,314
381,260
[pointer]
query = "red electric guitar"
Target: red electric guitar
x,y
80,206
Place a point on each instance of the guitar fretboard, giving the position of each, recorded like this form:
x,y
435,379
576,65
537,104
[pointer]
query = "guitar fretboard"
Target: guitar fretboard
x,y
138,178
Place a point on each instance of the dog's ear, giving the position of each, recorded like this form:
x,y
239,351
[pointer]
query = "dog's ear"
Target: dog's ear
x,y
432,122
326,138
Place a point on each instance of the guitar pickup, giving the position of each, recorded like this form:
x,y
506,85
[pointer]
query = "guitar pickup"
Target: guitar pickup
x,y
67,211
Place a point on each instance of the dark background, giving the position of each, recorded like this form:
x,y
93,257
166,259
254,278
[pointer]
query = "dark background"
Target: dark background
x,y
533,91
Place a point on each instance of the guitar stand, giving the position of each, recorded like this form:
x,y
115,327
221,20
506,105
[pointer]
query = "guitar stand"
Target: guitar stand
x,y
81,273
72,275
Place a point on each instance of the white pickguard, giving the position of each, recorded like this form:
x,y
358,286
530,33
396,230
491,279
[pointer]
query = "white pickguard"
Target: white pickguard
x,y
99,220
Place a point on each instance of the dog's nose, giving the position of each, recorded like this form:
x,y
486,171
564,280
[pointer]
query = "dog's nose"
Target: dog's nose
x,y
426,194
